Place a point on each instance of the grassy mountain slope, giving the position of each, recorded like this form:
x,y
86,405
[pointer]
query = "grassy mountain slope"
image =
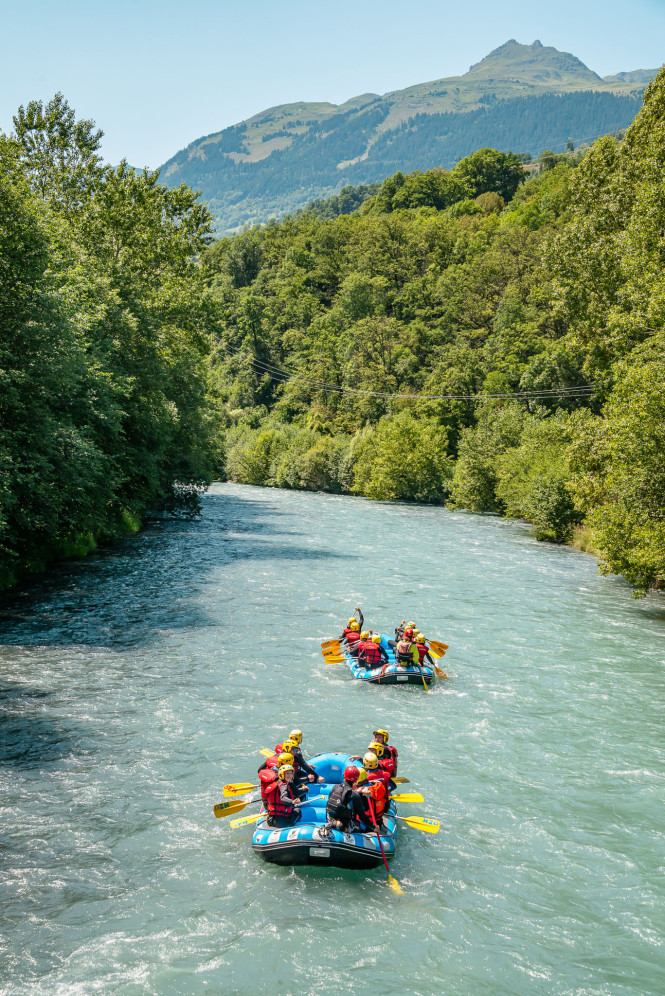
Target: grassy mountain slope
x,y
520,97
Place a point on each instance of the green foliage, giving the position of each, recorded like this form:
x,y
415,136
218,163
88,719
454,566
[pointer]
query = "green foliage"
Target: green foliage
x,y
481,446
403,458
105,407
533,478
489,170
619,464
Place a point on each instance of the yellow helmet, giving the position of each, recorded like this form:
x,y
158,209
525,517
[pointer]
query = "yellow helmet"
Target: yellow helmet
x,y
370,762
376,638
362,776
410,625
295,735
284,768
420,638
289,744
364,635
377,748
352,620
285,758
382,733
355,626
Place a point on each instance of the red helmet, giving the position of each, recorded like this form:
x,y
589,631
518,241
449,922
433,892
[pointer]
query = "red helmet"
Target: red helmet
x,y
408,632
351,773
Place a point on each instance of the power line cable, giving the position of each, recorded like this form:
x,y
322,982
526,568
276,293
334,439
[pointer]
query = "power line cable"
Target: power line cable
x,y
281,376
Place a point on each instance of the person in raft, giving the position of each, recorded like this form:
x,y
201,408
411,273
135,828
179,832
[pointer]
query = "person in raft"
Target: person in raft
x,y
382,736
370,651
378,793
423,650
406,651
302,768
386,762
281,799
375,773
268,773
346,810
351,632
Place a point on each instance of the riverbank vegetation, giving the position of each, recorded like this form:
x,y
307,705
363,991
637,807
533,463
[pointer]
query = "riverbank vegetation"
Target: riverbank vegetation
x,y
478,337
466,337
105,407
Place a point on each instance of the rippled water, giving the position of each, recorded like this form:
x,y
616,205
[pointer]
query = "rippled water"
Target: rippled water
x,y
135,683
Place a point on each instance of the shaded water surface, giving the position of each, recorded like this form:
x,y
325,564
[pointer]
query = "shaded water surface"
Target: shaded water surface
x,y
135,683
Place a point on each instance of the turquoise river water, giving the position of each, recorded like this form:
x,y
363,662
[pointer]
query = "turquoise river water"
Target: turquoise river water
x,y
134,684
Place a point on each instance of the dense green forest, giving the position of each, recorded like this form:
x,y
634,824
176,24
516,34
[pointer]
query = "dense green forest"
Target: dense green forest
x,y
466,337
105,408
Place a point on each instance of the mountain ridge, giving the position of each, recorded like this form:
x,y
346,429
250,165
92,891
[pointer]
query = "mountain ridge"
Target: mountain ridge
x,y
281,157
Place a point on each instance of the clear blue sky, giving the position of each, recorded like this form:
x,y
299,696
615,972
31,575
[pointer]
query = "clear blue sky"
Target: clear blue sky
x,y
155,76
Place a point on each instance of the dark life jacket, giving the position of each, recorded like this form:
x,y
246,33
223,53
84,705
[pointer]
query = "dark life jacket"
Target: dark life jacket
x,y
338,804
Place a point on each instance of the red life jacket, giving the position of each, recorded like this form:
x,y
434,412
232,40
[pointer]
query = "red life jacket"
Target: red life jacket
x,y
379,798
353,637
389,749
267,776
422,650
371,652
274,803
388,765
378,775
346,632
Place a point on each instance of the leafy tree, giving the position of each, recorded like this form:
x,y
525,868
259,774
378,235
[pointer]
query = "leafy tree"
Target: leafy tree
x,y
488,170
403,458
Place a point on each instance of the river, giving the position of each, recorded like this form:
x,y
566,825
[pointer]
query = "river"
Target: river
x,y
135,683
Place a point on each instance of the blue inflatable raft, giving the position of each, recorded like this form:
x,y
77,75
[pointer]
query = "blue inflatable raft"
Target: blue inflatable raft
x,y
390,673
308,842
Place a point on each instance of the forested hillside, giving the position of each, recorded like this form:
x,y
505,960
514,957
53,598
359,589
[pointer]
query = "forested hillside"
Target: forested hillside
x,y
523,98
105,409
466,337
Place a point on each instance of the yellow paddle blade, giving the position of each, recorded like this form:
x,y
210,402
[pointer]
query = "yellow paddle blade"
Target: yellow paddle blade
x,y
335,660
238,788
228,808
439,648
331,651
266,752
441,674
246,820
408,797
395,886
330,643
400,781
420,823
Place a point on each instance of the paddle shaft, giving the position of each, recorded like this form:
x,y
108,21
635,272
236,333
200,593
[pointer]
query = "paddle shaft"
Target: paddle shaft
x,y
378,834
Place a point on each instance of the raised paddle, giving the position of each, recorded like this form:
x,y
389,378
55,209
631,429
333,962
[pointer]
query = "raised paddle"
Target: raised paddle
x,y
408,797
392,882
420,823
439,648
238,788
234,824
